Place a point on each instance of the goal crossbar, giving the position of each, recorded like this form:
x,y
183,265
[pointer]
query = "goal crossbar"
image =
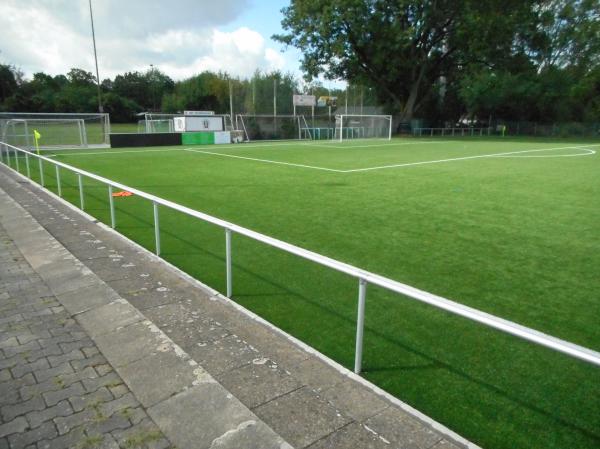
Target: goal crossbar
x,y
363,126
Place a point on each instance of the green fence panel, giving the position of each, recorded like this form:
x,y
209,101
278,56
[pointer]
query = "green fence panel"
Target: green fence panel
x,y
198,138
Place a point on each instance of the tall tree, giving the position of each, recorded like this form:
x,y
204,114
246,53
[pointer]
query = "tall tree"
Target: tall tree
x,y
9,81
402,48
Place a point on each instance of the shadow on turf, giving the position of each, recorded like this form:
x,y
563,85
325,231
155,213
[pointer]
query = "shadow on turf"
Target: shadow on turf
x,y
435,364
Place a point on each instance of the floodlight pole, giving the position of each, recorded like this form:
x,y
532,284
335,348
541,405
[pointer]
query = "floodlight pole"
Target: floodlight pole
x,y
153,87
275,96
253,81
347,88
230,98
275,103
100,108
362,92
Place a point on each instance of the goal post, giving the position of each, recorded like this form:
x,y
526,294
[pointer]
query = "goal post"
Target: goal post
x,y
57,130
54,132
358,126
273,127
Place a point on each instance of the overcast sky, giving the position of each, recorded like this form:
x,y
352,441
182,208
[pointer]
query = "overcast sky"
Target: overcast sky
x,y
180,37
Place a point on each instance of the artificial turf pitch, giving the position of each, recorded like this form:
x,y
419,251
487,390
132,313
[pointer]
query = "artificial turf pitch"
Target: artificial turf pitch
x,y
516,235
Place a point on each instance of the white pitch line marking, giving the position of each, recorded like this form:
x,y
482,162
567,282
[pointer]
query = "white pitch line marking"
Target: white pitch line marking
x,y
268,161
588,152
356,170
395,144
409,164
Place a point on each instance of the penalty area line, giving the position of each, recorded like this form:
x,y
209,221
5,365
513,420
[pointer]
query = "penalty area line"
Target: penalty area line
x,y
267,161
480,156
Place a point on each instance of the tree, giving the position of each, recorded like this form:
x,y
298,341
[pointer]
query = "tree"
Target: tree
x,y
135,86
121,110
146,89
80,77
402,48
9,81
568,34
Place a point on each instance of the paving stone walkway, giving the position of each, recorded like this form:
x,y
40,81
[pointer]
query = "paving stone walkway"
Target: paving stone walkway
x,y
56,389
295,396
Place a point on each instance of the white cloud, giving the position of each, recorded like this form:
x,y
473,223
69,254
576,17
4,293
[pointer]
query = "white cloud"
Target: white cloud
x,y
181,38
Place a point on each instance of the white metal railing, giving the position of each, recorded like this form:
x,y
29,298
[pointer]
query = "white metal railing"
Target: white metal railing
x,y
364,277
452,131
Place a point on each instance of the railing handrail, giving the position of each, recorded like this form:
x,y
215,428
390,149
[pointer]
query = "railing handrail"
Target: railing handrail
x,y
363,276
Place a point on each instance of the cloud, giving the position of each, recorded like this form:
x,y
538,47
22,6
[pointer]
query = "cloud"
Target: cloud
x,y
181,38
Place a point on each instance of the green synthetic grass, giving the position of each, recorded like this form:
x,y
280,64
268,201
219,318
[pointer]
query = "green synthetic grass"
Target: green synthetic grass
x,y
518,237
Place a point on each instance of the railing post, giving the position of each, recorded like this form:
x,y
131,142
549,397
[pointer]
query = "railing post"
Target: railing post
x,y
17,159
228,262
41,164
58,184
156,228
360,325
111,201
80,180
27,165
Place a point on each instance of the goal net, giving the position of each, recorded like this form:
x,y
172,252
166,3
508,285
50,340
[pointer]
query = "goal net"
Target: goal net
x,y
363,127
56,130
156,126
273,127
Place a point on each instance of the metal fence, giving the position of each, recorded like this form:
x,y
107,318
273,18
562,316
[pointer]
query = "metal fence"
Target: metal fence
x,y
452,132
10,156
558,129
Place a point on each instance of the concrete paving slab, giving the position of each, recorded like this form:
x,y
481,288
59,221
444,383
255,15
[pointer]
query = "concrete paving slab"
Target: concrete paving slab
x,y
186,323
402,429
129,343
212,418
159,376
358,402
258,382
353,436
87,298
317,374
302,417
109,317
222,355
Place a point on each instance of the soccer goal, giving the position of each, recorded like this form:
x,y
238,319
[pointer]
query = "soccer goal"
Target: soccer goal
x,y
273,127
56,130
363,127
156,126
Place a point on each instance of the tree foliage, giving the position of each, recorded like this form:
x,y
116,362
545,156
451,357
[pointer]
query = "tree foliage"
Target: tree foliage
x,y
414,54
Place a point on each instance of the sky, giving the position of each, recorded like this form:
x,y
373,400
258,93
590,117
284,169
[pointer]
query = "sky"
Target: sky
x,y
181,38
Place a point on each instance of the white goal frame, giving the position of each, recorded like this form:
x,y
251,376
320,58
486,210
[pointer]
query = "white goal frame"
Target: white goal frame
x,y
91,129
304,131
30,123
359,130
